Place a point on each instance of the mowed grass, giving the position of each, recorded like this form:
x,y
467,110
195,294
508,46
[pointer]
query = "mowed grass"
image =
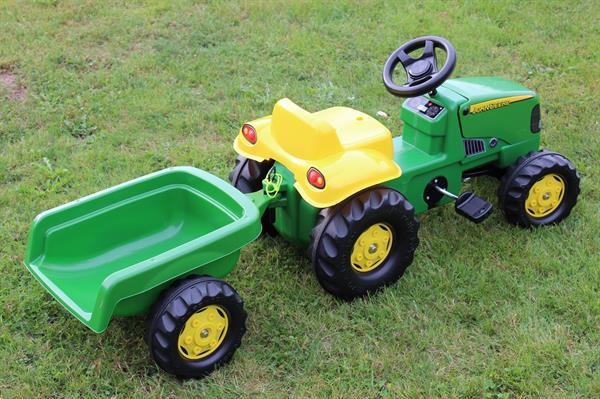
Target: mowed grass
x,y
97,93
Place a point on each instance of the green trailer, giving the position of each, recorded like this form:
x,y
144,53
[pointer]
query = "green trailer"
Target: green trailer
x,y
334,182
115,252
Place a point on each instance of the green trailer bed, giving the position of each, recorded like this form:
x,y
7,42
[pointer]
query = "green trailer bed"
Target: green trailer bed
x,y
111,253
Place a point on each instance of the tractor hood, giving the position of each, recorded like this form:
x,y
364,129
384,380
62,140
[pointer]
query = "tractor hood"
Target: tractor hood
x,y
496,108
482,89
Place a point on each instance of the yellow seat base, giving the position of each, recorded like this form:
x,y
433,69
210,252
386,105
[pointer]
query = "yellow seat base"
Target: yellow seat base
x,y
351,149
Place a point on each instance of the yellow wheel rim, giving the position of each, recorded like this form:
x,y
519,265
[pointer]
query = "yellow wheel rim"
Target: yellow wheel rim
x,y
545,196
203,332
372,248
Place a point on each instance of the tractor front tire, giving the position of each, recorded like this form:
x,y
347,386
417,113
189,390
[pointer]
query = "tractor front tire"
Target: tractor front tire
x,y
539,189
364,243
247,176
195,326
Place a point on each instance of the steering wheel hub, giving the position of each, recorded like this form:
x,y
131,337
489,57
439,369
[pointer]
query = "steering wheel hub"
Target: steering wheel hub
x,y
418,69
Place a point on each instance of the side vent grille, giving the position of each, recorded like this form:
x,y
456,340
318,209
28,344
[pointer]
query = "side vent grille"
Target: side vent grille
x,y
536,121
474,146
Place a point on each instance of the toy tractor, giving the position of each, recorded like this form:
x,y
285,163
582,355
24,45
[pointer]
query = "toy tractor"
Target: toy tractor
x,y
352,191
333,181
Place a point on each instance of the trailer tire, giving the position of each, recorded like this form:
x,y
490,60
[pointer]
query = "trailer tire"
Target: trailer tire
x,y
203,305
247,176
338,240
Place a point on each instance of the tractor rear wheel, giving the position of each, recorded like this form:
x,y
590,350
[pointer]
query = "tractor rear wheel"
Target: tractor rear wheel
x,y
364,243
247,176
540,188
196,326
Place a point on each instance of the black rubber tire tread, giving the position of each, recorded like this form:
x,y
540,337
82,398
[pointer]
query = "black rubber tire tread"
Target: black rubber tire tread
x,y
315,236
337,228
528,169
247,176
175,305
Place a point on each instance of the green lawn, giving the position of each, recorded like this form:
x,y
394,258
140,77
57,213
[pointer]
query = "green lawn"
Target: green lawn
x,y
95,94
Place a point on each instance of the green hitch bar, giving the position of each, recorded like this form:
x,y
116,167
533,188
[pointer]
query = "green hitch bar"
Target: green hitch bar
x,y
272,194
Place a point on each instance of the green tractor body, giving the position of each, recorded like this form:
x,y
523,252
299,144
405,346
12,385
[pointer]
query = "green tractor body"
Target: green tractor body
x,y
451,145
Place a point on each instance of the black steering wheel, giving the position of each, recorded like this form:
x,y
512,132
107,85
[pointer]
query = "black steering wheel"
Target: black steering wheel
x,y
422,74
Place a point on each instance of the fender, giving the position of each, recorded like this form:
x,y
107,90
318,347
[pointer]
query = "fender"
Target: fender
x,y
351,149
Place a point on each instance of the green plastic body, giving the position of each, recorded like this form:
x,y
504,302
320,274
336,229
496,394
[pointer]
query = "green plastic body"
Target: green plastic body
x,y
431,148
113,252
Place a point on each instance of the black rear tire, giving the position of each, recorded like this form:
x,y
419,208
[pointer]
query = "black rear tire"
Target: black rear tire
x,y
247,176
168,317
519,179
338,229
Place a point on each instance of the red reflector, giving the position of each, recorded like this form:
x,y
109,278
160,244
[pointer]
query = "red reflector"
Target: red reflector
x,y
315,178
249,133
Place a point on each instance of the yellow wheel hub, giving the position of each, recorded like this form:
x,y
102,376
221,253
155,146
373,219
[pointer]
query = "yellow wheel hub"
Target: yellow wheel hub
x,y
372,247
203,332
545,196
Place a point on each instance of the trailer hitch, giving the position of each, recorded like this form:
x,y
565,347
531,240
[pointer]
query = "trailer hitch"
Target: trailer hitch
x,y
272,194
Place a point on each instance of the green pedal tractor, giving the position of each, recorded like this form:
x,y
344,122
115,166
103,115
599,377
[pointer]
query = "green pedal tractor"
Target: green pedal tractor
x,y
333,181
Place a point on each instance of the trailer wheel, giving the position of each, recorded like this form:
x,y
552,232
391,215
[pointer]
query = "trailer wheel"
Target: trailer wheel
x,y
247,176
196,326
540,188
365,243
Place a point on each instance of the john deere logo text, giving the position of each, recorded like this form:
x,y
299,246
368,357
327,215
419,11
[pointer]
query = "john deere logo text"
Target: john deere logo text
x,y
497,103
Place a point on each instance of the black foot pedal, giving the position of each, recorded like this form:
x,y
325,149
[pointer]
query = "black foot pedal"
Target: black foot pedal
x,y
474,208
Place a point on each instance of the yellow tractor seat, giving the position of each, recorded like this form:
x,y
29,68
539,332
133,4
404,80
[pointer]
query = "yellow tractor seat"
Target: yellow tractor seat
x,y
317,135
351,149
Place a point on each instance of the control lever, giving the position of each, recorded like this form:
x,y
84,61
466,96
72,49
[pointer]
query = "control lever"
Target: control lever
x,y
469,205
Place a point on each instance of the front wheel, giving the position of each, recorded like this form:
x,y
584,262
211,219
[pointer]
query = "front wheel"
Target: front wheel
x,y
539,189
364,243
196,326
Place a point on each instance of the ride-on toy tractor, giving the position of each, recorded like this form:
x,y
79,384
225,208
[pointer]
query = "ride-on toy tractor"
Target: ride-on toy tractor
x,y
333,181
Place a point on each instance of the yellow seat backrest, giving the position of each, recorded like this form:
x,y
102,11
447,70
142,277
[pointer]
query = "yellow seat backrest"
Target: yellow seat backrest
x,y
301,134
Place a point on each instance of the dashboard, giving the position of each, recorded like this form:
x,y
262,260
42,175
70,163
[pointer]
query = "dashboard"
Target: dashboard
x,y
425,106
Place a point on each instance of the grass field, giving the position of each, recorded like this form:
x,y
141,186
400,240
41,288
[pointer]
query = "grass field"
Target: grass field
x,y
95,93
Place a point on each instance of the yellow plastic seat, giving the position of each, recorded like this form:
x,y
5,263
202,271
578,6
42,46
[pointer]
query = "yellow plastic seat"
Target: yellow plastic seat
x,y
351,149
